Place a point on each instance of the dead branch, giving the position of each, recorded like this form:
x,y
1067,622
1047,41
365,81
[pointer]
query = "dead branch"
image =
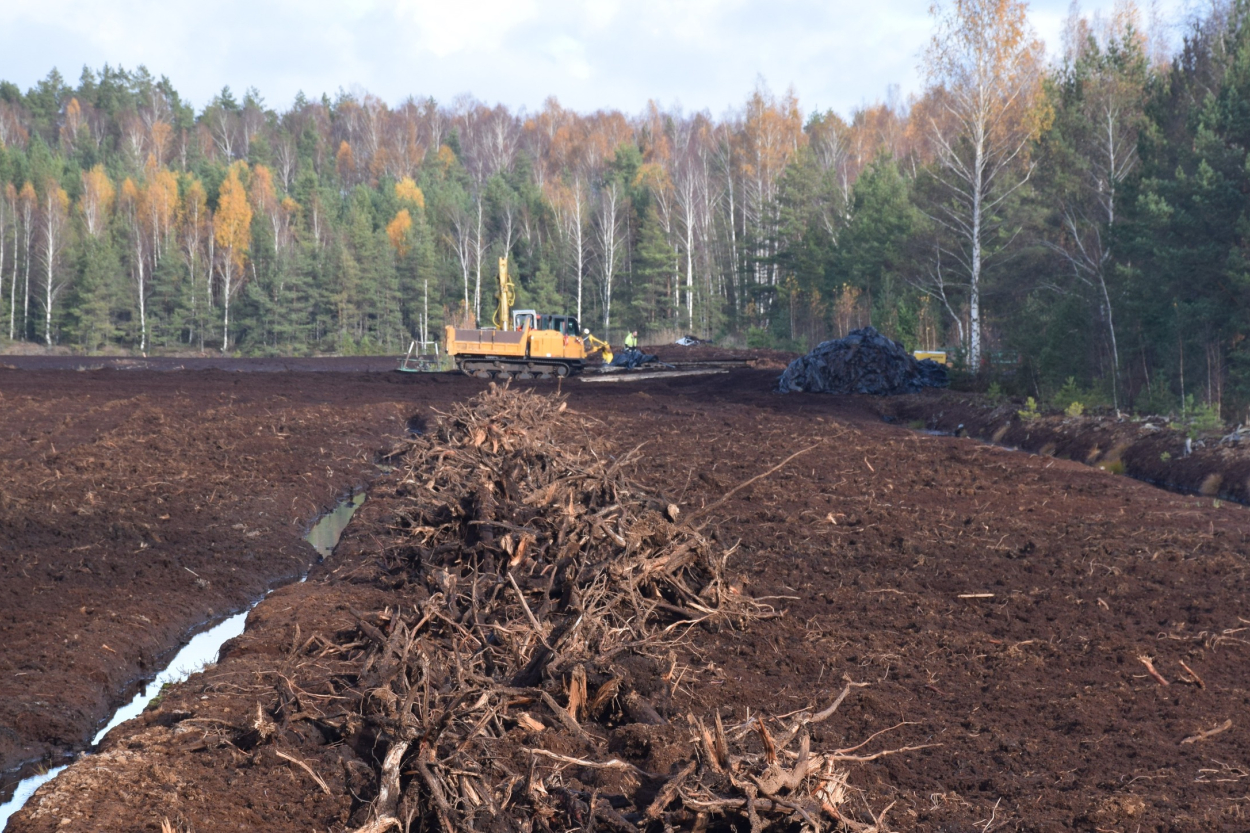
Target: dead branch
x,y
1150,666
311,773
613,763
1193,675
1209,733
757,478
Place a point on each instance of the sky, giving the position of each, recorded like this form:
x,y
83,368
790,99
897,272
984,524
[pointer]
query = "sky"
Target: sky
x,y
589,54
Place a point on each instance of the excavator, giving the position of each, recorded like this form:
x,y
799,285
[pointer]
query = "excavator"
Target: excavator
x,y
523,344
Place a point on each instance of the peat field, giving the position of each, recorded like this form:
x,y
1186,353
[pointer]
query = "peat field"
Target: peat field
x,y
608,606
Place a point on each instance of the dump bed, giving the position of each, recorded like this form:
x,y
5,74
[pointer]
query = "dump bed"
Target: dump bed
x,y
485,342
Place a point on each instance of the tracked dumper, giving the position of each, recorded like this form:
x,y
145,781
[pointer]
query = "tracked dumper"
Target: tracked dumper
x,y
523,344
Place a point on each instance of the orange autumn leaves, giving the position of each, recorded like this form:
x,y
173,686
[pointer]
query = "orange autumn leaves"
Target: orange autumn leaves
x,y
233,221
96,200
399,230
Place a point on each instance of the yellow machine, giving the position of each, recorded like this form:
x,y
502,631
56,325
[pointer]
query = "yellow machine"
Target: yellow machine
x,y
938,356
523,344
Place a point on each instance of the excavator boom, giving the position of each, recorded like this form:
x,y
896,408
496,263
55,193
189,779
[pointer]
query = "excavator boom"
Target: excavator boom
x,y
604,349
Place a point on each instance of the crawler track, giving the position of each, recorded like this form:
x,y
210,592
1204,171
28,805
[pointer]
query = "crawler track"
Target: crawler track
x,y
503,369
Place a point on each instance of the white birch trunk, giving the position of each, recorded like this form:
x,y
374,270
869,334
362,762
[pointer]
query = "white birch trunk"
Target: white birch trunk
x,y
3,204
27,233
227,279
579,235
13,285
478,251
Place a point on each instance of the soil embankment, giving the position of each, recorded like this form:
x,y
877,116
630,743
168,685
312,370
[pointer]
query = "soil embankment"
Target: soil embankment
x,y
1145,449
997,605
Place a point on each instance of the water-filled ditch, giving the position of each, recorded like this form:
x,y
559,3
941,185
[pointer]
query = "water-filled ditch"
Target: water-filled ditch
x,y
200,651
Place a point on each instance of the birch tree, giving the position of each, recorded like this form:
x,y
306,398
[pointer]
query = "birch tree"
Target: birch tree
x,y
610,229
772,129
1101,96
566,186
463,235
4,214
192,233
987,66
53,227
96,200
10,200
133,204
691,183
569,205
160,208
232,233
27,200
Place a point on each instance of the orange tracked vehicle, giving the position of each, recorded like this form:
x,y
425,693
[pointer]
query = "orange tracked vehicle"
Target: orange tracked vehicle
x,y
523,344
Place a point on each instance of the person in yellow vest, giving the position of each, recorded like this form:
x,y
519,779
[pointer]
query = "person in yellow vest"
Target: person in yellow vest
x,y
631,340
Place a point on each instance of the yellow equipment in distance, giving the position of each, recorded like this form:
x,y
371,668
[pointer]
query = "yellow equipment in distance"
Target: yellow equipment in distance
x,y
523,344
938,356
505,296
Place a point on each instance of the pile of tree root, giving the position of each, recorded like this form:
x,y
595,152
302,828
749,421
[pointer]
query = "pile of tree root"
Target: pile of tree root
x,y
541,595
864,362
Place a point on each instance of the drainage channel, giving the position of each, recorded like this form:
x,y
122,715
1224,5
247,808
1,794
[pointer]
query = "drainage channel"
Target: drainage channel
x,y
202,650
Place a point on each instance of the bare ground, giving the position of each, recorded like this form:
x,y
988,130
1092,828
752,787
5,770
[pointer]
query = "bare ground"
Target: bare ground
x,y
997,603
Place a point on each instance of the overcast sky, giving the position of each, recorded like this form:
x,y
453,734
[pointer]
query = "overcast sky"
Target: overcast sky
x,y
590,54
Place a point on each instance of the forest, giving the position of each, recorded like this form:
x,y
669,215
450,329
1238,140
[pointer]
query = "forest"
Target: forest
x,y
1077,223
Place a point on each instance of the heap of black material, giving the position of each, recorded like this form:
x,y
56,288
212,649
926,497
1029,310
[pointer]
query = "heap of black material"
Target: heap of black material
x,y
631,358
863,362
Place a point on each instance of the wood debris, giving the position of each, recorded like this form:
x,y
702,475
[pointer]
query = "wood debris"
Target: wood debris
x,y
536,585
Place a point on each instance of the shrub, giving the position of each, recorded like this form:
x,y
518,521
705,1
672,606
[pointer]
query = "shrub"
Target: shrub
x,y
1030,410
1089,398
1158,400
1074,409
1067,394
1206,417
758,338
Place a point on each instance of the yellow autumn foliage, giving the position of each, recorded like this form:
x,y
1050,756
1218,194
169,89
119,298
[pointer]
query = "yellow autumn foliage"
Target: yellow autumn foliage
x,y
233,220
397,231
407,191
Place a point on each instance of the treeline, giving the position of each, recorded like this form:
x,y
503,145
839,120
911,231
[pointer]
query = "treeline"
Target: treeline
x,y
1084,220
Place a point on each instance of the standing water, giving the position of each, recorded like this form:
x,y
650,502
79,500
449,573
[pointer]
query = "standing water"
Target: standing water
x,y
202,650
327,531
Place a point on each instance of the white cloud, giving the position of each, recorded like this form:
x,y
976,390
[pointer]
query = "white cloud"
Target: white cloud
x,y
591,54
444,28
569,56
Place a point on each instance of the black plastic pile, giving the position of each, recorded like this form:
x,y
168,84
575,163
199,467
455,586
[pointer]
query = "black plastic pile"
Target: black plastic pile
x,y
630,359
863,362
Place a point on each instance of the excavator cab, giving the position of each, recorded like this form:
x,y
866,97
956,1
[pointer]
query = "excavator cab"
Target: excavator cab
x,y
522,318
565,325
